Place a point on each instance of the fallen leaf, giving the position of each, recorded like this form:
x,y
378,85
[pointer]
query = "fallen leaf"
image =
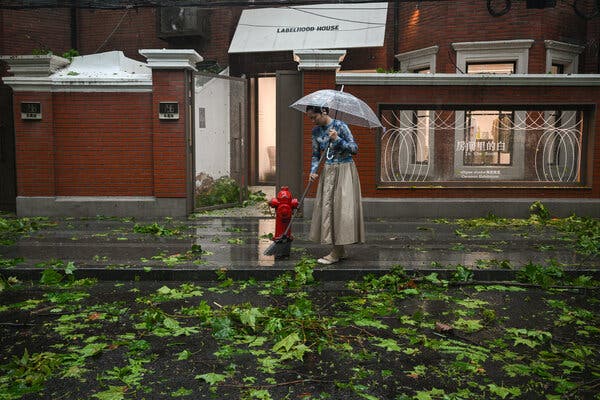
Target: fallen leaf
x,y
443,328
408,285
94,316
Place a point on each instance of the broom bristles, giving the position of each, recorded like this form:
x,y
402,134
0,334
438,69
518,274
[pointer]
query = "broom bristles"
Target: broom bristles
x,y
279,248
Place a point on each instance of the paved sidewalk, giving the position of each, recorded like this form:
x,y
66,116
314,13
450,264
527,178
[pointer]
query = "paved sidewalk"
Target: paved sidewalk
x,y
113,249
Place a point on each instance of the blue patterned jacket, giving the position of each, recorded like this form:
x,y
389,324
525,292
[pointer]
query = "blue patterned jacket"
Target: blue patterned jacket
x,y
340,151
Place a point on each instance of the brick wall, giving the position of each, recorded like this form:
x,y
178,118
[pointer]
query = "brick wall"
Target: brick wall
x,y
103,144
87,144
366,160
432,23
24,31
35,147
98,143
443,23
169,141
125,30
591,54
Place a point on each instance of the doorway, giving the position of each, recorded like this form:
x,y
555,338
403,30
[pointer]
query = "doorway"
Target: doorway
x,y
220,129
266,130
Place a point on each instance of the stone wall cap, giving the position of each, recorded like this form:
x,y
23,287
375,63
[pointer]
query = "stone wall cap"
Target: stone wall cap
x,y
316,59
34,65
171,58
441,79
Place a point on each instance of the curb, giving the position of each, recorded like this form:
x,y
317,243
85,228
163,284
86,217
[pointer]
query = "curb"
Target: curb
x,y
241,274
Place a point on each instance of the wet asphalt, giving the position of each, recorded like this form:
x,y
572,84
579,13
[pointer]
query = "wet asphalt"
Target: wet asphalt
x,y
114,249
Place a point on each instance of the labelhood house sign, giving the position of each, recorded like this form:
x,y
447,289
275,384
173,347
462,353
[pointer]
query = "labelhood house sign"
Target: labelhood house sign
x,y
308,29
322,26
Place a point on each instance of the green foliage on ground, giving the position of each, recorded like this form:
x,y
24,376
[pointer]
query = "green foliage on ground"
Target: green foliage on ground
x,y
12,228
393,335
223,191
226,191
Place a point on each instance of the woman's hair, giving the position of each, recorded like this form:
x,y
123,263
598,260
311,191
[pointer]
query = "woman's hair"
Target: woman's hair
x,y
318,109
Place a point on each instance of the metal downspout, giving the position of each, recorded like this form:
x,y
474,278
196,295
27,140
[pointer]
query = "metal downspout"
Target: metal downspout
x,y
74,28
396,65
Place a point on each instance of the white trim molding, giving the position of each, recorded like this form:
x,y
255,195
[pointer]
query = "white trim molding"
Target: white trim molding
x,y
51,84
103,72
418,59
493,51
348,78
38,65
171,58
319,59
566,54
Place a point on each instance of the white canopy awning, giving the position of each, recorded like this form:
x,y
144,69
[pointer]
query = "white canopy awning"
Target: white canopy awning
x,y
320,26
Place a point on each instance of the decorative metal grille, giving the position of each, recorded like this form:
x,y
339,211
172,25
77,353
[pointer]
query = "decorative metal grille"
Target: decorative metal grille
x,y
440,145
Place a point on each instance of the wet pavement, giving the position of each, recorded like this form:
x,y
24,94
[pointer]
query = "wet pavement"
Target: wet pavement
x,y
114,249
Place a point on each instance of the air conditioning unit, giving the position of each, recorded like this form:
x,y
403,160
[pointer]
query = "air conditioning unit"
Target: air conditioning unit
x,y
183,21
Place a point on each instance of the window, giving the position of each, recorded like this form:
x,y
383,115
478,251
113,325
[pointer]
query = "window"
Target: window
x,y
562,145
418,60
491,68
406,145
514,52
557,69
422,132
554,119
562,58
488,138
420,150
411,135
498,145
487,135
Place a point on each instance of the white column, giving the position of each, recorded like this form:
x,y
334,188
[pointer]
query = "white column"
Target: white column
x,y
171,58
319,59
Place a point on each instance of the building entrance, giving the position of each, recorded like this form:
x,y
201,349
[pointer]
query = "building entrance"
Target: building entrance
x,y
266,132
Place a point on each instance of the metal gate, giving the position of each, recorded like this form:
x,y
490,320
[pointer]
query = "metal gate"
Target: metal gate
x,y
220,129
8,187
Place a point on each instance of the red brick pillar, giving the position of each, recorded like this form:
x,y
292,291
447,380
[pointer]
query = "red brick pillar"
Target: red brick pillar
x,y
318,68
172,83
34,132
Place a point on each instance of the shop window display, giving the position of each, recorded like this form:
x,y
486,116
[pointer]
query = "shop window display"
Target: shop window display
x,y
507,147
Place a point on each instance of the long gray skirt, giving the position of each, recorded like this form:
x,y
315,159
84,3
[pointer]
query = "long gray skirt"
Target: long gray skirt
x,y
337,215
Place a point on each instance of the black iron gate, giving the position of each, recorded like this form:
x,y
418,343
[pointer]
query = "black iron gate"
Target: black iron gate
x,y
8,185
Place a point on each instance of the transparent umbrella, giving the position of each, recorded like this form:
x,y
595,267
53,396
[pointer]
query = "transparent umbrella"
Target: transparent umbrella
x,y
342,105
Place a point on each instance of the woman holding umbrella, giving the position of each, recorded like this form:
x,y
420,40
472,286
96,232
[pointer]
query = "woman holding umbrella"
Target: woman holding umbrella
x,y
337,217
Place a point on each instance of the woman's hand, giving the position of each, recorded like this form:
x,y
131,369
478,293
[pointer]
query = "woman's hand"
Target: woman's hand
x,y
333,135
313,177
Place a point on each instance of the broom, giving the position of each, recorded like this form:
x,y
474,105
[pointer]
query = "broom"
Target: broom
x,y
281,247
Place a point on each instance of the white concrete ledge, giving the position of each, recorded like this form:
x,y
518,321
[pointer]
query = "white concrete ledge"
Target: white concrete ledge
x,y
171,58
353,78
51,84
319,59
34,65
104,72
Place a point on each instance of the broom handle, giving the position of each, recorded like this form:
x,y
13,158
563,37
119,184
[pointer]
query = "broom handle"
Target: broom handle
x,y
287,230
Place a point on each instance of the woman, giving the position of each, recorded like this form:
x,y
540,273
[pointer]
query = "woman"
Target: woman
x,y
337,216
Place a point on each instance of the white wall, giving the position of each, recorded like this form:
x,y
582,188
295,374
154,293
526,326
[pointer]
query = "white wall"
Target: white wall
x,y
212,142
